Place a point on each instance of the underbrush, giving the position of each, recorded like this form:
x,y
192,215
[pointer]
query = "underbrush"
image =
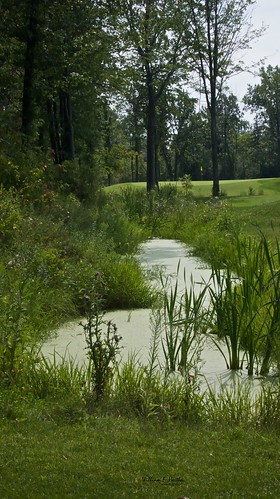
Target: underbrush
x,y
60,390
57,256
167,389
52,252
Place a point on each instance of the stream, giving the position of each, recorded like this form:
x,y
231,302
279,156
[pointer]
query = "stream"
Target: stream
x,y
176,265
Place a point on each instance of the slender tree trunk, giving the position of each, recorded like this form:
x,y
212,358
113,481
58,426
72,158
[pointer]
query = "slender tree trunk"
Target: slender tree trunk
x,y
278,136
176,164
152,181
67,134
157,163
214,147
28,84
136,132
132,168
54,131
137,152
213,63
137,167
167,159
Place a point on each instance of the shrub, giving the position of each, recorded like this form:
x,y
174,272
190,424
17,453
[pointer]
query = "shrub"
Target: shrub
x,y
127,287
10,216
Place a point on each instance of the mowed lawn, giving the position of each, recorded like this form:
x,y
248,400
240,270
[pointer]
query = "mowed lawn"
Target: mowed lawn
x,y
115,457
243,193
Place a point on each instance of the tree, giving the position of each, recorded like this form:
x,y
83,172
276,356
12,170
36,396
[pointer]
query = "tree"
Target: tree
x,y
54,66
152,44
32,34
67,28
264,100
19,37
219,29
134,125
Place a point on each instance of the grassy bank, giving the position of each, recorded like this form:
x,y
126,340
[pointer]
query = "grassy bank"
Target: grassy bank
x,y
209,226
110,457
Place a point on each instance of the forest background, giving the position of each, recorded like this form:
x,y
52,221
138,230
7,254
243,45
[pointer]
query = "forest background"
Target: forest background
x,y
115,93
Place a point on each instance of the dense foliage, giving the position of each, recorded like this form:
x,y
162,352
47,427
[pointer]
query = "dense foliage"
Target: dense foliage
x,y
98,98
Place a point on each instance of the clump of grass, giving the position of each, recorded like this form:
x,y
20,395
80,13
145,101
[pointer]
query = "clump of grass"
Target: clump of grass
x,y
126,284
154,391
268,405
183,321
231,406
159,395
228,316
272,306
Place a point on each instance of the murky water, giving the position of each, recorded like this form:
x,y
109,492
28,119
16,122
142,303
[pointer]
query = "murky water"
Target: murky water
x,y
134,326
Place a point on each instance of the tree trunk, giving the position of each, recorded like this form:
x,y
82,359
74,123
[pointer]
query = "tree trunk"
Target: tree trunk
x,y
137,140
168,163
214,147
137,167
152,181
67,134
132,168
54,131
28,83
157,163
278,137
213,65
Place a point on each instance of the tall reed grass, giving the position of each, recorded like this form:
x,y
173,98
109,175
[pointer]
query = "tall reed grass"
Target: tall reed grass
x,y
184,319
246,305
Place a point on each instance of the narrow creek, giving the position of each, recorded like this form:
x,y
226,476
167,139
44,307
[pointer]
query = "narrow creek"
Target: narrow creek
x,y
134,326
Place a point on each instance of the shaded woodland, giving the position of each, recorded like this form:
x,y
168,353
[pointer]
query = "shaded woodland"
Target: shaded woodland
x,y
98,92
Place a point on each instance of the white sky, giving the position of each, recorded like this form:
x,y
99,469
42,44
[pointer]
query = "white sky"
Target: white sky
x,y
266,48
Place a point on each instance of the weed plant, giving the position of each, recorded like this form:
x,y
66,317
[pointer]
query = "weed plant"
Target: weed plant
x,y
102,346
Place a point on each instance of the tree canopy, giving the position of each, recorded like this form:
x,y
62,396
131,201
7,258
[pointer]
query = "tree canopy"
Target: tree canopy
x,y
94,92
